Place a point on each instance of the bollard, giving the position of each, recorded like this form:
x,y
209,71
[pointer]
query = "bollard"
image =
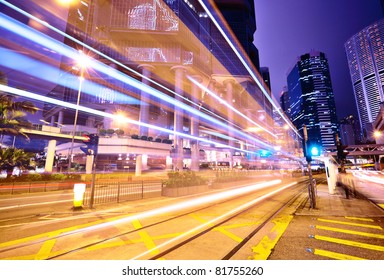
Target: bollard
x,y
78,195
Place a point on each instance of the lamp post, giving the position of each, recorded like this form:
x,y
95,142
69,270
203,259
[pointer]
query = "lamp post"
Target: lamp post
x,y
311,187
82,65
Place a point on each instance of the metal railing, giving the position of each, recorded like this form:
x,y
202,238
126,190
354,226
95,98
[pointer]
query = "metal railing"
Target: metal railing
x,y
107,192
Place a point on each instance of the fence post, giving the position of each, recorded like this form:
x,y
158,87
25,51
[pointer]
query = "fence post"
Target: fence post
x,y
142,189
118,192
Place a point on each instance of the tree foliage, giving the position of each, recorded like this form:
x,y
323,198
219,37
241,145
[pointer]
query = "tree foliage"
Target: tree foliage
x,y
12,113
12,157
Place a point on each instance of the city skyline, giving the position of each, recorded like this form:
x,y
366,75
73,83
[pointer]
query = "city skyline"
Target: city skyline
x,y
281,40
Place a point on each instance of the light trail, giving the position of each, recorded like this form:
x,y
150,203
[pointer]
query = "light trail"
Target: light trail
x,y
215,220
44,40
222,101
373,179
212,198
96,52
46,99
18,61
250,71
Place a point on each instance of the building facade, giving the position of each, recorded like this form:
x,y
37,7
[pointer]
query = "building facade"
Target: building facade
x,y
311,100
348,130
167,43
365,55
163,64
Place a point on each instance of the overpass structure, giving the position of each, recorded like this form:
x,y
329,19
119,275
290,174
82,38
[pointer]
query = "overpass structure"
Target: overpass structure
x,y
358,150
106,146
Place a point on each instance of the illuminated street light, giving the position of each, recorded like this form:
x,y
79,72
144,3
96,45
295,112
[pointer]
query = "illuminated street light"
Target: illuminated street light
x,y
65,2
82,63
377,134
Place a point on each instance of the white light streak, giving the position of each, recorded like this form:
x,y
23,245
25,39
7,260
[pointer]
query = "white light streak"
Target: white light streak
x,y
222,101
59,47
41,98
250,71
213,198
214,221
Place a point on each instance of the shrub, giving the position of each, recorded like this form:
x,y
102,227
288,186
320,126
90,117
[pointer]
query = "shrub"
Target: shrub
x,y
184,179
35,177
58,177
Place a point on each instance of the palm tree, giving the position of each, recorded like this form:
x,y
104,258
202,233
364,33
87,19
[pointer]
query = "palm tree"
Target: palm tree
x,y
12,113
12,157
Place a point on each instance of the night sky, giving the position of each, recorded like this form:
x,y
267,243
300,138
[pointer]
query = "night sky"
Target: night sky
x,y
287,29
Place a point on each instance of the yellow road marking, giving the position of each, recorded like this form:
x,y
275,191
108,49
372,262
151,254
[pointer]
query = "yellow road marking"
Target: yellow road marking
x,y
334,255
55,232
360,219
381,205
223,229
45,249
128,242
374,235
148,241
350,243
349,223
219,229
265,246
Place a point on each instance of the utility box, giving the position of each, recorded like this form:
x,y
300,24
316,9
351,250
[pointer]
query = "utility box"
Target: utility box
x,y
78,195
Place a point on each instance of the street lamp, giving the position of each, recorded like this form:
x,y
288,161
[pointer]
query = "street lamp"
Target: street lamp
x,y
82,63
377,134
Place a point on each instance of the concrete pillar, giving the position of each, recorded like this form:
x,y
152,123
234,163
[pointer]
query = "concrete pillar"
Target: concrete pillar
x,y
146,70
229,86
195,154
88,164
52,121
331,170
168,162
139,164
60,118
144,162
50,155
180,72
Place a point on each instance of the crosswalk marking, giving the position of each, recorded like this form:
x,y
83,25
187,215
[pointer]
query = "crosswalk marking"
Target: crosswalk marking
x,y
360,219
349,223
334,255
367,234
367,224
350,243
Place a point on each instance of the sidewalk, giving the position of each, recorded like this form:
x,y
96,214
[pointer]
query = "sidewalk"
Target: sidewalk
x,y
339,228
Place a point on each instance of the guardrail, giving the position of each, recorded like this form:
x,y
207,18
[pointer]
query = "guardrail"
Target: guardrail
x,y
31,187
107,192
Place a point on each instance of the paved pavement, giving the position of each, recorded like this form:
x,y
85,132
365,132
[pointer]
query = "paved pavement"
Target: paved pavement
x,y
339,228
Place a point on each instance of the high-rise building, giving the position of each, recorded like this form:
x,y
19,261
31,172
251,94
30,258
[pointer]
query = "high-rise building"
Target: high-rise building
x,y
241,18
284,101
311,99
365,54
264,72
348,130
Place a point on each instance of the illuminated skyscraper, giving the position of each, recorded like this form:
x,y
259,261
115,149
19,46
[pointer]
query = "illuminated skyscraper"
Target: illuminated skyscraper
x,y
365,54
311,99
240,16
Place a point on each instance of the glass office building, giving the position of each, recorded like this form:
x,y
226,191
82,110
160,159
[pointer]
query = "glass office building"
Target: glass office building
x,y
365,54
311,99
